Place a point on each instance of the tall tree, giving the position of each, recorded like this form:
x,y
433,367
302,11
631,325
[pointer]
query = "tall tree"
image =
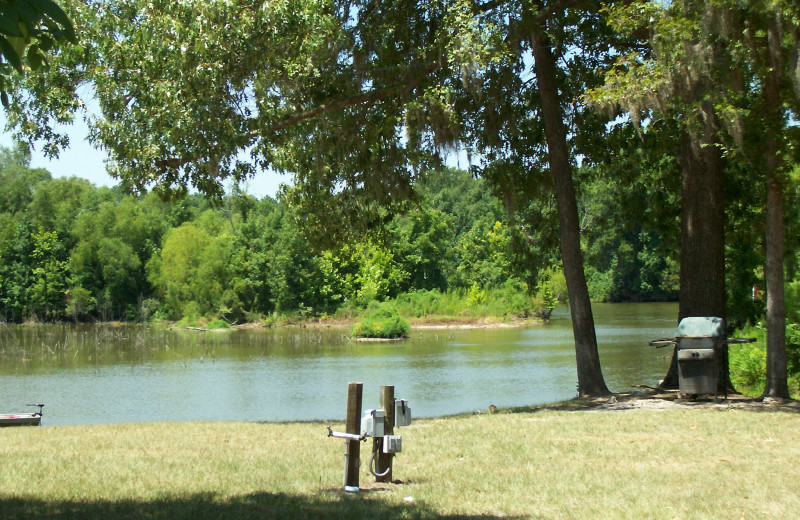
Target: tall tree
x,y
668,75
757,41
18,178
779,24
526,130
590,378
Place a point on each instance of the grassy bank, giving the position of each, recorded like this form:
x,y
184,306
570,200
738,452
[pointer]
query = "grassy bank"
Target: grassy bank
x,y
510,303
633,464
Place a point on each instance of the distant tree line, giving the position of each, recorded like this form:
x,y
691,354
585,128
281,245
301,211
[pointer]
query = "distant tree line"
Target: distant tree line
x,y
70,250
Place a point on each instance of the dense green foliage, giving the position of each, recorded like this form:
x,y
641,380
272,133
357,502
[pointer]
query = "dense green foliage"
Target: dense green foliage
x,y
29,32
748,361
629,228
382,321
69,250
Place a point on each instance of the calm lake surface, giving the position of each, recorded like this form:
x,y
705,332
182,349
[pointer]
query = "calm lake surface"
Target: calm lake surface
x,y
102,374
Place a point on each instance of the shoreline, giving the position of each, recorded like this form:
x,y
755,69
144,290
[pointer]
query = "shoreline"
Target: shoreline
x,y
646,400
416,323
422,324
655,399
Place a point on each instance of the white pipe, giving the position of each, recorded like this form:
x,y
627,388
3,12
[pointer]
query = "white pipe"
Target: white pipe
x,y
348,436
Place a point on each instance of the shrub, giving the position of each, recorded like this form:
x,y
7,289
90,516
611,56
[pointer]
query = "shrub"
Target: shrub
x,y
748,362
382,322
793,349
476,295
218,324
748,367
511,299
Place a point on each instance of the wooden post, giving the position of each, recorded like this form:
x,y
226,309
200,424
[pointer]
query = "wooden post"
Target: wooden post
x,y
352,449
384,461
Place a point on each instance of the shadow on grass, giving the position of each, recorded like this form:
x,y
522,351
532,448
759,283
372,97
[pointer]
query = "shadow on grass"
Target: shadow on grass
x,y
653,398
328,505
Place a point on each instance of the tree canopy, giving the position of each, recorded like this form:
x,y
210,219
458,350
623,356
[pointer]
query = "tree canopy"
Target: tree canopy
x,y
191,93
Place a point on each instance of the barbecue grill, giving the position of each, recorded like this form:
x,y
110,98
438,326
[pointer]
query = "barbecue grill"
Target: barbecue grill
x,y
697,342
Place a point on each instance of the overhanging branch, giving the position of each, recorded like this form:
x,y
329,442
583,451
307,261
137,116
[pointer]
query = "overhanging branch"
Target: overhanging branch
x,y
543,13
365,99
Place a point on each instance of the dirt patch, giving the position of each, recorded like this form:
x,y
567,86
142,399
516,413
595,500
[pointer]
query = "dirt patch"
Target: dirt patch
x,y
370,487
380,340
656,399
433,324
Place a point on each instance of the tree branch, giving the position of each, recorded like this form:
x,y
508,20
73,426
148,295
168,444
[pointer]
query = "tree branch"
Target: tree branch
x,y
366,99
543,16
487,6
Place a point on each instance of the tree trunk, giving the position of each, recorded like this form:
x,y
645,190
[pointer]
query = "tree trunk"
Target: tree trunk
x,y
590,375
777,384
702,272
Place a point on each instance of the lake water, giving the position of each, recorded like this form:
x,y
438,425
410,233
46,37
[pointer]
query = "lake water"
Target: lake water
x,y
102,374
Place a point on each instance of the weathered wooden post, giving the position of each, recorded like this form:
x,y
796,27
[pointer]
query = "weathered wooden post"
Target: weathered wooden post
x,y
384,460
352,448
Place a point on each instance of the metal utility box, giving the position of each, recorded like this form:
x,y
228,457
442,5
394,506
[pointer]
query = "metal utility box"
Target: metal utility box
x,y
372,423
402,413
392,444
697,339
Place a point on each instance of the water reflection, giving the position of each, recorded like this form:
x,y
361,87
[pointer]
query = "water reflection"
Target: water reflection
x,y
140,373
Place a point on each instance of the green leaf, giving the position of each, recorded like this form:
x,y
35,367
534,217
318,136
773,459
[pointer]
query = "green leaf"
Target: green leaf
x,y
45,43
35,58
28,19
52,10
8,20
9,53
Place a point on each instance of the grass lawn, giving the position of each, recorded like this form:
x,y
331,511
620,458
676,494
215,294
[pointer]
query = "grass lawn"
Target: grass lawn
x,y
636,464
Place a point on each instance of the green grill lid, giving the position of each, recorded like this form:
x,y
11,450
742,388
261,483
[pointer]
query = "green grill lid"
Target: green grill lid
x,y
701,327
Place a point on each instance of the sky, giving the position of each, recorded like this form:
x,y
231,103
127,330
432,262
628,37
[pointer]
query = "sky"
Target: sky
x,y
84,161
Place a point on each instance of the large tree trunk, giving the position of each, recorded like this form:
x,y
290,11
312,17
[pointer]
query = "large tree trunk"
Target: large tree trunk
x,y
702,272
777,384
590,375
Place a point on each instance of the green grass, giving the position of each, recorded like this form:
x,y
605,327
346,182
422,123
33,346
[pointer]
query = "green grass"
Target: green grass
x,y
629,465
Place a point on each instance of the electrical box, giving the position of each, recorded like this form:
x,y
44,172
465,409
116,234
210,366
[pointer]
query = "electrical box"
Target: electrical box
x,y
372,423
402,413
392,444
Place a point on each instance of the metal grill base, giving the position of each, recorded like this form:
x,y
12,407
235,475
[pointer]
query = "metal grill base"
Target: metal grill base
x,y
697,376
